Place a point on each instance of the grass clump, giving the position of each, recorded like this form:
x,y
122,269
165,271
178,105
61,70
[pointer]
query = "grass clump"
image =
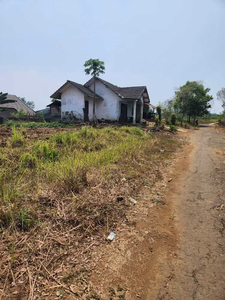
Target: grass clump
x,y
45,151
17,138
28,160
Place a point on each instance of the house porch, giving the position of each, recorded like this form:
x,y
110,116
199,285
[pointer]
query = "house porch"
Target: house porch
x,y
131,111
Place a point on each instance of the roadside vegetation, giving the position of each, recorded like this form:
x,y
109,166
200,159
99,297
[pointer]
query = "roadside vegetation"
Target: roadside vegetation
x,y
61,195
189,107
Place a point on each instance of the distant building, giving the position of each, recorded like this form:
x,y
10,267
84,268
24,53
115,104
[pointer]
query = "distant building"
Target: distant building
x,y
7,109
55,108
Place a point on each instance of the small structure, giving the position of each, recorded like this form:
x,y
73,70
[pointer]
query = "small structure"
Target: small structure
x,y
113,103
8,109
55,108
149,111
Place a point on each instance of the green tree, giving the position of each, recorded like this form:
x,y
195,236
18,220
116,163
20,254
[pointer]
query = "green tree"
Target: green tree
x,y
167,109
159,112
192,100
3,98
30,104
95,67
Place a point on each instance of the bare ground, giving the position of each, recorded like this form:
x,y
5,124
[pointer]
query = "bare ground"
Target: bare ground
x,y
176,248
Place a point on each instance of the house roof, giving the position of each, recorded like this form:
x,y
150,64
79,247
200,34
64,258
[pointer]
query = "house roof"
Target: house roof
x,y
85,90
133,93
55,103
152,106
17,105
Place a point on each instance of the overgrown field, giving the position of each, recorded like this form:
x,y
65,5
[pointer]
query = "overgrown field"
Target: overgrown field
x,y
61,195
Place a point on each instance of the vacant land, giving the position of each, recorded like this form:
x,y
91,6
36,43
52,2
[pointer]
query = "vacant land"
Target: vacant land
x,y
62,192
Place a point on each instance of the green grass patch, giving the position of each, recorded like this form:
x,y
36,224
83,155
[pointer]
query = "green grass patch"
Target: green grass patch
x,y
12,123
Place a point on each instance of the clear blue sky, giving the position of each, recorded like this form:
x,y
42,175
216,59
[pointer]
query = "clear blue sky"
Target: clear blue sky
x,y
160,44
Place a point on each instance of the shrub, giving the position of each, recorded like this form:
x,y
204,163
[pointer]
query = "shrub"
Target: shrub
x,y
159,112
173,119
167,121
156,121
173,128
163,122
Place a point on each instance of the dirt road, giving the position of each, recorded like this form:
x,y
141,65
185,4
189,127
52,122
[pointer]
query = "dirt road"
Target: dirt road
x,y
176,249
197,270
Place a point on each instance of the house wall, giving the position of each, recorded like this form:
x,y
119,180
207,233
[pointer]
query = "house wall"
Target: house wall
x,y
109,108
55,110
72,104
90,100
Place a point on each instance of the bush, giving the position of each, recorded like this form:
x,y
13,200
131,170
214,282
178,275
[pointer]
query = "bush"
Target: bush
x,y
167,122
156,121
163,122
173,128
159,112
173,119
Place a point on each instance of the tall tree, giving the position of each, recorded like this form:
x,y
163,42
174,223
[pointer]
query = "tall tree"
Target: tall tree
x,y
30,104
3,98
95,67
192,99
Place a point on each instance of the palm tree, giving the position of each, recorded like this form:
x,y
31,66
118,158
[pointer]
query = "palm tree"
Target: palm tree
x,y
3,98
95,67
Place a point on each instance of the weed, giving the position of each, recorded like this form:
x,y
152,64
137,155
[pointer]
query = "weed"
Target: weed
x,y
17,138
25,219
112,292
119,288
12,253
94,296
122,296
45,151
28,160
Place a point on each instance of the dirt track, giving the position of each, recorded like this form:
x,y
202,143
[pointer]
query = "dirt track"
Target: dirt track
x,y
198,269
176,250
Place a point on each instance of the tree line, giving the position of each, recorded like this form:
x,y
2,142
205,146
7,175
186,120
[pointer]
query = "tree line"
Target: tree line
x,y
192,100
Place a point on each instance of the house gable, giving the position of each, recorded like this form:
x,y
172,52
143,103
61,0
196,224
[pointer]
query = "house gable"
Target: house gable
x,y
85,90
72,102
109,108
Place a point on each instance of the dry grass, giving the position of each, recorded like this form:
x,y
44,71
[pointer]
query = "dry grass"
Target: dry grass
x,y
59,199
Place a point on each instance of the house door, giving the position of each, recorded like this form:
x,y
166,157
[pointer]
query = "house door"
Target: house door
x,y
86,111
123,113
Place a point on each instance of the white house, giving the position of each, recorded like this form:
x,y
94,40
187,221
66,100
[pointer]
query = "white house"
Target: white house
x,y
124,104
